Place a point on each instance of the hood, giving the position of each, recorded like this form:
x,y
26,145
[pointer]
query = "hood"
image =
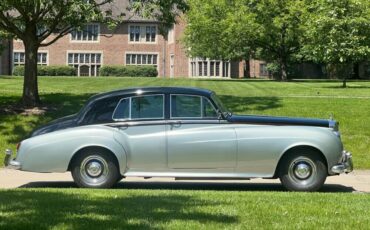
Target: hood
x,y
270,120
58,124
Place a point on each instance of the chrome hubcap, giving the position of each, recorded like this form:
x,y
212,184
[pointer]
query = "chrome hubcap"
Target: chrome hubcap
x,y
94,170
302,170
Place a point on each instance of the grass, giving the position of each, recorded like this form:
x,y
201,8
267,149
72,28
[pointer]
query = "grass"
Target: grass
x,y
318,99
50,208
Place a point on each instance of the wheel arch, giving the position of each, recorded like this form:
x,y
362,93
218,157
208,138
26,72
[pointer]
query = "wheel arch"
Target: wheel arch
x,y
293,149
94,147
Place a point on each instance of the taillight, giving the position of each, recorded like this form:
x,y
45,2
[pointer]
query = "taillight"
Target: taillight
x,y
18,145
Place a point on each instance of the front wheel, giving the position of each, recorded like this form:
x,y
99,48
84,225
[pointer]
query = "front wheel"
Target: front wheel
x,y
303,170
95,169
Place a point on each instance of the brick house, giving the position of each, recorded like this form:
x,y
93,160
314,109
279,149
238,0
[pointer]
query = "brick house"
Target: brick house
x,y
136,41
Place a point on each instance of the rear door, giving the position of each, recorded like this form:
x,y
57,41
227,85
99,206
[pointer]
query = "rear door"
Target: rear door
x,y
140,120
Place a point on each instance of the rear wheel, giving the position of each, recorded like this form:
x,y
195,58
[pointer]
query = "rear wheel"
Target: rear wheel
x,y
95,168
303,170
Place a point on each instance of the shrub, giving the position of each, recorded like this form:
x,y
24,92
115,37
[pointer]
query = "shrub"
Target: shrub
x,y
129,71
48,71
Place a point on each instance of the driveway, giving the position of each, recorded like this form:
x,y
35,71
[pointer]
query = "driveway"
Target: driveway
x,y
356,182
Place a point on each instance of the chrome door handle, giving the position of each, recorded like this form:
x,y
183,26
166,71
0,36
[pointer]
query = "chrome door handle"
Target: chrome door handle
x,y
175,123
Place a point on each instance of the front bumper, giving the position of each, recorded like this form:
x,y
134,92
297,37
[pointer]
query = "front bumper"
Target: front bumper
x,y
9,163
346,164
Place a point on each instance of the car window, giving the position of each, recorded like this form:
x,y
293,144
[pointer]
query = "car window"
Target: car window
x,y
122,110
188,106
208,109
101,111
141,107
147,107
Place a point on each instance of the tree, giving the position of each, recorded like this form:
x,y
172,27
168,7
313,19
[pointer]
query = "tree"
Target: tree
x,y
32,21
337,33
239,29
164,11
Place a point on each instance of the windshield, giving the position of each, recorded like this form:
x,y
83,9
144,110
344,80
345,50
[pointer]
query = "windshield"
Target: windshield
x,y
220,106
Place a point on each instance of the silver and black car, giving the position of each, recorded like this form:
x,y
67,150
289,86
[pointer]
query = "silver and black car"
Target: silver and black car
x,y
182,133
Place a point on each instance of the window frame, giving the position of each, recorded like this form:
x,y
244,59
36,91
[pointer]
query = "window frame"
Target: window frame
x,y
130,104
86,41
201,108
142,39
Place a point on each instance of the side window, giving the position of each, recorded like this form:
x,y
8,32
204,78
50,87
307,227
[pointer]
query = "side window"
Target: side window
x,y
122,110
184,106
187,106
142,107
208,109
147,107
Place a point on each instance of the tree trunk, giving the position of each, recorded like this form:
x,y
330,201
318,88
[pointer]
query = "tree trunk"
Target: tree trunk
x,y
30,96
344,83
283,70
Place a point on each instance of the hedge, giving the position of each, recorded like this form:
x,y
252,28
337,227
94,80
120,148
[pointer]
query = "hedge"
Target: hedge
x,y
48,71
128,71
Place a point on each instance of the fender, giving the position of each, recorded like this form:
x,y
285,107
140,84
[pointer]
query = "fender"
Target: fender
x,y
58,148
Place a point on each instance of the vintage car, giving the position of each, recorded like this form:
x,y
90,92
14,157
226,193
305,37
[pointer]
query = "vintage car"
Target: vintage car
x,y
182,133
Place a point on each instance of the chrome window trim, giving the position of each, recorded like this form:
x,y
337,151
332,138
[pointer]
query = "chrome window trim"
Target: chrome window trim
x,y
130,112
130,123
201,107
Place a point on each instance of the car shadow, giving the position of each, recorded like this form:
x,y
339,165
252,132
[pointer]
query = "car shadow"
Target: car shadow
x,y
201,186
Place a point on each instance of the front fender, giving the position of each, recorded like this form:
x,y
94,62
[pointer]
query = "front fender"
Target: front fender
x,y
53,151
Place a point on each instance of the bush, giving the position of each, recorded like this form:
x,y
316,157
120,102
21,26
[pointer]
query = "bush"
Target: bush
x,y
129,71
48,71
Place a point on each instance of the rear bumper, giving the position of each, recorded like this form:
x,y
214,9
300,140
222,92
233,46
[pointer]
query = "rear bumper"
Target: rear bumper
x,y
346,164
9,163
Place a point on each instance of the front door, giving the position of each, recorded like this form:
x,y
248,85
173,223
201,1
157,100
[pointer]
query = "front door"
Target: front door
x,y
196,139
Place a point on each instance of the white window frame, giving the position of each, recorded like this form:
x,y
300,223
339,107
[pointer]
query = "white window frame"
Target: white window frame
x,y
23,63
143,53
142,36
86,41
88,64
194,68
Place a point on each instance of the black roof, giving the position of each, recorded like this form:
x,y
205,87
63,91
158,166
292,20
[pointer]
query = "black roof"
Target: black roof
x,y
154,90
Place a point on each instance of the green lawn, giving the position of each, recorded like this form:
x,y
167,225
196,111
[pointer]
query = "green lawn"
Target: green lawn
x,y
127,208
350,106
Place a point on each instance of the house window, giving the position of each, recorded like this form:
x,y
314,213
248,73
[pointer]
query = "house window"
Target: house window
x,y
143,33
88,32
142,59
263,69
171,35
86,64
19,58
209,68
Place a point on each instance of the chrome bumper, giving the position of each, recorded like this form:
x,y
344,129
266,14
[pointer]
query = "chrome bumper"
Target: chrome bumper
x,y
9,163
346,164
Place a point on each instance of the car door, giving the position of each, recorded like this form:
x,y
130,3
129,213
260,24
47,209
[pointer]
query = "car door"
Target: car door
x,y
196,138
140,120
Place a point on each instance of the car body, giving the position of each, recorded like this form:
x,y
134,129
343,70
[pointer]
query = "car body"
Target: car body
x,y
183,133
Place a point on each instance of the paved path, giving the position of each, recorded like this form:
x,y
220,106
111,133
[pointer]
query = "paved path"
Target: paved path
x,y
357,182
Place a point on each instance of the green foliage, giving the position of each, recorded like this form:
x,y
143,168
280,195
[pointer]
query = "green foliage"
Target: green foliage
x,y
337,31
164,11
267,29
48,71
129,71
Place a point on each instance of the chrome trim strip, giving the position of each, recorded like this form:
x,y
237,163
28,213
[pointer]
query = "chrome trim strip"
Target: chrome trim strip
x,y
164,122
